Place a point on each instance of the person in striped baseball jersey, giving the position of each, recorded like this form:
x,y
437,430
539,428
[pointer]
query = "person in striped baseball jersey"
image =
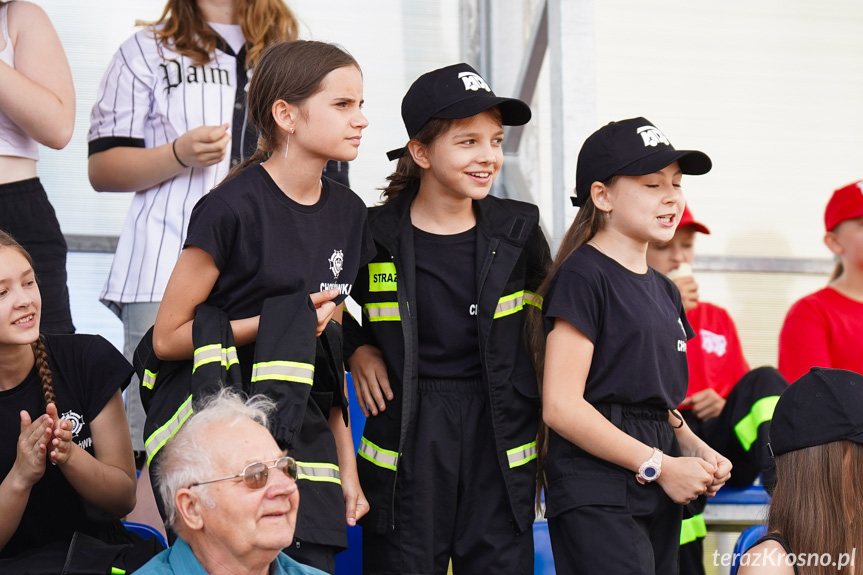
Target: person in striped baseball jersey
x,y
168,123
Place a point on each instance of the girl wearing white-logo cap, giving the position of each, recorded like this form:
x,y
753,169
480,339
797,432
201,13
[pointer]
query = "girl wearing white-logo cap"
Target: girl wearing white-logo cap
x,y
619,461
448,456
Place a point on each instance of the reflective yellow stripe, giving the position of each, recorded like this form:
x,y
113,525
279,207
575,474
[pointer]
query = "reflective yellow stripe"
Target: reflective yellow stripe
x,y
378,455
533,299
318,472
692,529
117,571
161,436
215,352
385,311
747,428
521,454
284,371
149,379
509,304
382,277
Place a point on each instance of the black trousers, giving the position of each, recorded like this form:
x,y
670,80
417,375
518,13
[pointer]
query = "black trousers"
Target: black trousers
x,y
635,533
27,215
739,433
451,501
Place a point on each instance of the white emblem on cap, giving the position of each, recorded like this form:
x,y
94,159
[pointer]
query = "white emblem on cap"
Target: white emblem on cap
x,y
473,81
652,136
860,185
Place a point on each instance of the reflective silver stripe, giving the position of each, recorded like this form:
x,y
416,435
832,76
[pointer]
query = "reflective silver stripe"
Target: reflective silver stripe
x,y
284,371
215,352
386,311
318,472
149,379
509,304
161,436
533,299
521,454
378,455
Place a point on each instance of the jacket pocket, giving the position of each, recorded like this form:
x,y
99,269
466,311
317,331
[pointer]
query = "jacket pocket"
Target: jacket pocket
x,y
525,384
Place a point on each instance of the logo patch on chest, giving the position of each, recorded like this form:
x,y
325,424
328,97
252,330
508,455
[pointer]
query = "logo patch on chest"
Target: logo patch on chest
x,y
77,421
336,262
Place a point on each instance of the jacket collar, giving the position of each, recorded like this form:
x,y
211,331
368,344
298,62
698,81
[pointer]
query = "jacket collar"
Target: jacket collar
x,y
507,220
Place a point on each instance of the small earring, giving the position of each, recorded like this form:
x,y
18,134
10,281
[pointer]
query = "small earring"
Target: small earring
x,y
287,142
608,214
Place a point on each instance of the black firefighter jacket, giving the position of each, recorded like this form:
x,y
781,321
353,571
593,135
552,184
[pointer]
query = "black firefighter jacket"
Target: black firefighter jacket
x,y
512,258
300,372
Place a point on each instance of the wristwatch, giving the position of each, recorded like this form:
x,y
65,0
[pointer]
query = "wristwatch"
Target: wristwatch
x,y
650,469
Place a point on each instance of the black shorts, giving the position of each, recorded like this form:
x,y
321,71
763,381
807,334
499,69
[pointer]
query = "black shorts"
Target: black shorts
x,y
27,215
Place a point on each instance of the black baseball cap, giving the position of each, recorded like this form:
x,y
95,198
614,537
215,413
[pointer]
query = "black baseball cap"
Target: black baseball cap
x,y
454,92
823,406
632,147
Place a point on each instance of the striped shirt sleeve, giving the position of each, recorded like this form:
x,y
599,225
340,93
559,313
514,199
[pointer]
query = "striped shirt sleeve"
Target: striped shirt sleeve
x,y
123,102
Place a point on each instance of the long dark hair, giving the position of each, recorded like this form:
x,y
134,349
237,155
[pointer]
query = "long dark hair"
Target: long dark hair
x,y
817,505
44,368
588,221
289,71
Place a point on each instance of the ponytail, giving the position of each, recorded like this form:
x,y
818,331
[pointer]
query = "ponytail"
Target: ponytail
x,y
44,371
262,153
407,172
587,223
837,271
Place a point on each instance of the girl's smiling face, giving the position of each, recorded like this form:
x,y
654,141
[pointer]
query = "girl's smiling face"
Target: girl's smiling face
x,y
464,161
20,301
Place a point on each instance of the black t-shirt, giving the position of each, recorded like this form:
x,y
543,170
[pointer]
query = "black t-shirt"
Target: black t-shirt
x,y
265,244
636,323
87,371
446,305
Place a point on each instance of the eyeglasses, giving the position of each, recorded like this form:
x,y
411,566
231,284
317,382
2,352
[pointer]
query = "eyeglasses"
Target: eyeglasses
x,y
255,475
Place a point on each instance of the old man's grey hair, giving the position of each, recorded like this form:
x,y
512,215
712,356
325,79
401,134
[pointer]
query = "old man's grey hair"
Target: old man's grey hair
x,y
184,461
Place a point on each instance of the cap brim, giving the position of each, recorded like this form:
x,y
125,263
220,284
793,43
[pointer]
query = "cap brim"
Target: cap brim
x,y
692,163
696,226
513,112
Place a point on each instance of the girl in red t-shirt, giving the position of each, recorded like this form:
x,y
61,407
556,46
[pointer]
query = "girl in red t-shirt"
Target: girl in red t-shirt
x,y
824,329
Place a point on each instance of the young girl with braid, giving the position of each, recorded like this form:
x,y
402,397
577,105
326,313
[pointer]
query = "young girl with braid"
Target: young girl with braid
x,y
65,454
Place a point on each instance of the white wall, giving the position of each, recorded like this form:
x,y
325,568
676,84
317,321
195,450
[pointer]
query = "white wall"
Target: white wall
x,y
771,90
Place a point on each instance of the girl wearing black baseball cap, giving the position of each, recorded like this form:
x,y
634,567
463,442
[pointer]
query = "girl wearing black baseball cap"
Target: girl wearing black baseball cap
x,y
814,522
440,365
620,462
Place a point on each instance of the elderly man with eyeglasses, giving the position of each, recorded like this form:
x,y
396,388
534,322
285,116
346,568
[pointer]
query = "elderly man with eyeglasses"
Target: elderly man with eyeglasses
x,y
230,494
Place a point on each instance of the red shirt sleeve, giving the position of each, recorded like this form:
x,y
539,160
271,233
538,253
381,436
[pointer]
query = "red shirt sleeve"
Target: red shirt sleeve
x,y
803,341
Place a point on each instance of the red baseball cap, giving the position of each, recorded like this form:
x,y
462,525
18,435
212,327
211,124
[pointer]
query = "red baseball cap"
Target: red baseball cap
x,y
687,220
845,204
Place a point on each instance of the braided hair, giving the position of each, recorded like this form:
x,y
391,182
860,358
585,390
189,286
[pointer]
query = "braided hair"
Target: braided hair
x,y
39,351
